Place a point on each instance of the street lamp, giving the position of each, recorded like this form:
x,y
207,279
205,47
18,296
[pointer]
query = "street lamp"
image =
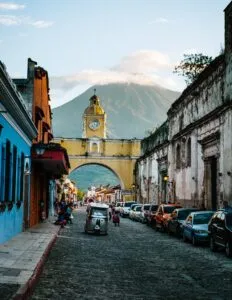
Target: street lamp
x,y
165,178
133,191
39,149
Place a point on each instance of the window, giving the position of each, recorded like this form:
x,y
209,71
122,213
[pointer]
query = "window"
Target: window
x,y
178,160
22,176
181,122
18,179
95,148
7,171
14,177
2,174
189,156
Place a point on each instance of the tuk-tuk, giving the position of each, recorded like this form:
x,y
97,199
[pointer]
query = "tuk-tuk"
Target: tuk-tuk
x,y
97,218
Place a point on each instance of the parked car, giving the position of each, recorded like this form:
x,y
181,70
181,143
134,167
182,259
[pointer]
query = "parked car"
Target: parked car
x,y
220,231
124,211
118,206
163,213
195,227
132,209
136,213
150,214
176,220
142,215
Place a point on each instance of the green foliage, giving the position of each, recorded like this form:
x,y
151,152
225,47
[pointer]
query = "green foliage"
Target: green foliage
x,y
80,195
192,65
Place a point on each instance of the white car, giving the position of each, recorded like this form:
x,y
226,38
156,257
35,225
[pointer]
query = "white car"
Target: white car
x,y
137,212
142,217
118,206
132,211
124,211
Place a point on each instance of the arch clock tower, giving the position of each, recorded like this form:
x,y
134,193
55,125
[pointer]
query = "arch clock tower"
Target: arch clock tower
x,y
94,120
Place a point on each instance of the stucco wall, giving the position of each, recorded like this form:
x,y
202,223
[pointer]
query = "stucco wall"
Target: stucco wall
x,y
11,222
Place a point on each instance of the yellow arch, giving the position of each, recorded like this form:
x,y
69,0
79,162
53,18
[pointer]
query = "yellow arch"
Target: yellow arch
x,y
117,155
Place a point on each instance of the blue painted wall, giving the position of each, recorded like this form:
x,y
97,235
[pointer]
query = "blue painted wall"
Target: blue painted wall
x,y
11,222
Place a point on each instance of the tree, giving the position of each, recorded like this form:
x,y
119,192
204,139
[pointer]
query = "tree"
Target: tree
x,y
192,65
80,195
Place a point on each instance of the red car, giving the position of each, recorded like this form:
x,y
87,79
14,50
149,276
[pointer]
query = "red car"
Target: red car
x,y
163,213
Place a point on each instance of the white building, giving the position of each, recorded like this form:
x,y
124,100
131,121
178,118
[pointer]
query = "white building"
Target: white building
x,y
193,148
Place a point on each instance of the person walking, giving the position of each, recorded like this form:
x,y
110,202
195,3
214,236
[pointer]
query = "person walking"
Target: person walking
x,y
116,219
110,212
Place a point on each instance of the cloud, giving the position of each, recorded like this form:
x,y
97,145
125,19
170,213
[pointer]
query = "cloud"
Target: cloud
x,y
141,67
41,24
159,20
11,20
11,6
93,77
143,61
8,20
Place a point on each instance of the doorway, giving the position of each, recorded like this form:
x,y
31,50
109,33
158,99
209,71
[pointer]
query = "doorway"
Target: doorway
x,y
211,201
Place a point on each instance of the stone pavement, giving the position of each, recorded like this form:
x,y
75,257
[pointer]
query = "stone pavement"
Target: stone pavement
x,y
22,259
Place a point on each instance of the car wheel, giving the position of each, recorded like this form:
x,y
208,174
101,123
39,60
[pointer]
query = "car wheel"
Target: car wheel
x,y
156,227
194,241
228,249
212,244
184,238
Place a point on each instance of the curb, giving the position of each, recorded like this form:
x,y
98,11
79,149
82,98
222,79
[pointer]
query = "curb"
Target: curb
x,y
26,290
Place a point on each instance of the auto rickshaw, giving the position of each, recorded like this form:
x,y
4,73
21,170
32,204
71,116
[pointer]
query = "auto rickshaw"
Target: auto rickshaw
x,y
97,218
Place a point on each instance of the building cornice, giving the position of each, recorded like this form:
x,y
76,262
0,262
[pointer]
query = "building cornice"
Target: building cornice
x,y
210,116
14,104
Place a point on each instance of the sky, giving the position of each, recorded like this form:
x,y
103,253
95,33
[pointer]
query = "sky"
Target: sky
x,y
86,42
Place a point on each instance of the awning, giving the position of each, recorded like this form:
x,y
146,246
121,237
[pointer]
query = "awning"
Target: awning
x,y
52,158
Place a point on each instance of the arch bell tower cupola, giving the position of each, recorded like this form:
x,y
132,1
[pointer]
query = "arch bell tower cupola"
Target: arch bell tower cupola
x,y
94,119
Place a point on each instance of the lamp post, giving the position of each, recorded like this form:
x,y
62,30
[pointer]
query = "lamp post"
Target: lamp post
x,y
133,191
165,178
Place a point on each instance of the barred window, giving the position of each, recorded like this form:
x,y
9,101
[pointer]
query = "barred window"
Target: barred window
x,y
7,171
14,174
178,160
189,154
22,176
2,185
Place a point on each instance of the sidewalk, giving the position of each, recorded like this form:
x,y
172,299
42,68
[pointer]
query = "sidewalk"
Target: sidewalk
x,y
22,259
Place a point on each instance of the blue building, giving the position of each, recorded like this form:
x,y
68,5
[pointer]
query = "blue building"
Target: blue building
x,y
17,132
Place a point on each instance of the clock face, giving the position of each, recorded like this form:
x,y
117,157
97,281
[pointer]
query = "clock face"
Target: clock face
x,y
94,124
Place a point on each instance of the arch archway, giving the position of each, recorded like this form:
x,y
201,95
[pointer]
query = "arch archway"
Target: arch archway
x,y
89,168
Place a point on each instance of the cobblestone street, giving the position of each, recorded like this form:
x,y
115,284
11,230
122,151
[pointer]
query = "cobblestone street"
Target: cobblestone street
x,y
132,262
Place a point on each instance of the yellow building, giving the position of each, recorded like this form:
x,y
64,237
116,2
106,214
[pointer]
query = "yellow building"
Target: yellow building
x,y
118,155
